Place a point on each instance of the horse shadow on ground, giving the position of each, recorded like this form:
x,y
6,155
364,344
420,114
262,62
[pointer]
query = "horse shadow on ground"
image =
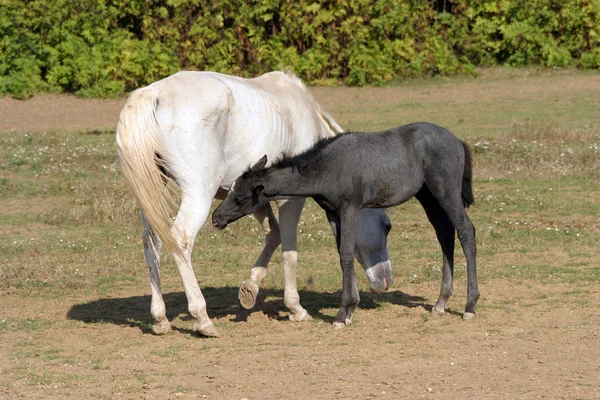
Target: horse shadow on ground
x,y
223,302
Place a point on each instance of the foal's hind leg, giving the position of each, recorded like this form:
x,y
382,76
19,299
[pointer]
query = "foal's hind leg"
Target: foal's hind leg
x,y
152,252
444,231
465,230
249,288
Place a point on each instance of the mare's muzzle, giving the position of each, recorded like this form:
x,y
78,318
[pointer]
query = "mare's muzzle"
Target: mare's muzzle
x,y
380,276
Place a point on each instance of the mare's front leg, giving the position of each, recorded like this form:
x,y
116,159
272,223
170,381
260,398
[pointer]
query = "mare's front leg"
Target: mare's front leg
x,y
152,253
289,215
347,233
194,209
249,288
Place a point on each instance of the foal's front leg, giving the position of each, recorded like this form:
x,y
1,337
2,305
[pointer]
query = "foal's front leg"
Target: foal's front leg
x,y
350,297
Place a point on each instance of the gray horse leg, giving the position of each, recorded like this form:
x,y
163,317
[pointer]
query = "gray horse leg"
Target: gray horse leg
x,y
466,235
347,234
444,231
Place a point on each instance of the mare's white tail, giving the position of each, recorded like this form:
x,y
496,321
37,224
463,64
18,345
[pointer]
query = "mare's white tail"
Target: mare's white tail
x,y
142,160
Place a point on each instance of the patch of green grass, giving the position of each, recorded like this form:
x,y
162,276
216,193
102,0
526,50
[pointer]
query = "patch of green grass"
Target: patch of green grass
x,y
28,325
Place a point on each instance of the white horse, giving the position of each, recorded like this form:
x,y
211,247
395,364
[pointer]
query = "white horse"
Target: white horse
x,y
203,129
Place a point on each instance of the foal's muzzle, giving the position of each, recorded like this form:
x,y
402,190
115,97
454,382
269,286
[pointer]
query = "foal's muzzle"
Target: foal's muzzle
x,y
219,221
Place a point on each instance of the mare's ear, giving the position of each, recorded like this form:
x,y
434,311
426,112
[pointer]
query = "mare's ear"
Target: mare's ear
x,y
274,161
260,165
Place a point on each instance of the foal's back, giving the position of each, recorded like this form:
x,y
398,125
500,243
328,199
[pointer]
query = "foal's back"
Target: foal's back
x,y
389,167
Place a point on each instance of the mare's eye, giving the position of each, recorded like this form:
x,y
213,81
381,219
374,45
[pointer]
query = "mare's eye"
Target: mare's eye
x,y
388,227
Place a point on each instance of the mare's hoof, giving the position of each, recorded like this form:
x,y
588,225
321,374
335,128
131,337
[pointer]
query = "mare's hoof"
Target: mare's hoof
x,y
206,330
248,294
161,328
300,316
436,312
468,315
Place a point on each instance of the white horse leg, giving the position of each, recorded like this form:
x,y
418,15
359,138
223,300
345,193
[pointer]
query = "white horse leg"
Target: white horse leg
x,y
194,209
249,288
152,252
289,215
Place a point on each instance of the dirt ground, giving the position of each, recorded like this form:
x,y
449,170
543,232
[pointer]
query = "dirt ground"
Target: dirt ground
x,y
527,342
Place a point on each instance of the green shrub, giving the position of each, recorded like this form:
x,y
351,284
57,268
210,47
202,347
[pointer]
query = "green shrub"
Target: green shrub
x,y
103,48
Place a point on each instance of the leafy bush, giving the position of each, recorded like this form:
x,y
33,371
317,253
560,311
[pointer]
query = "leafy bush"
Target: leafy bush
x,y
104,48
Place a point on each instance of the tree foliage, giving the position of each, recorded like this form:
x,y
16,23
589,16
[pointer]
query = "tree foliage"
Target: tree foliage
x,y
108,47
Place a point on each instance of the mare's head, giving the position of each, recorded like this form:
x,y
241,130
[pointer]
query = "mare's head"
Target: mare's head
x,y
371,248
245,197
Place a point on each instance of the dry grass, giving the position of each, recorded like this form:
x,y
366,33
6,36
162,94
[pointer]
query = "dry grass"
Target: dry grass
x,y
74,286
538,150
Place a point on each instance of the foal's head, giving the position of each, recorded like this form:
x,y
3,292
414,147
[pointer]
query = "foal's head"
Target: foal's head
x,y
245,197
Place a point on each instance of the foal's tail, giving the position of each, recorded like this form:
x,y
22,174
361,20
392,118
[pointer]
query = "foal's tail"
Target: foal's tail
x,y
141,155
467,190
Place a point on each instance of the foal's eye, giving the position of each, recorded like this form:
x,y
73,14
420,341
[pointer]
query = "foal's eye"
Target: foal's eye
x,y
237,199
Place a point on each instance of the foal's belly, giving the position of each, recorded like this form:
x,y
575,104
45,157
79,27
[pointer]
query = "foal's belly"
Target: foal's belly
x,y
391,193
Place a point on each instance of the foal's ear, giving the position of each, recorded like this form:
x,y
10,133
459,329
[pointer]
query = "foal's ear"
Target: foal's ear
x,y
257,189
261,164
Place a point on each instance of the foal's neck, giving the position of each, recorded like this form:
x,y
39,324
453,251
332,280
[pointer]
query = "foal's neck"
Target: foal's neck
x,y
289,182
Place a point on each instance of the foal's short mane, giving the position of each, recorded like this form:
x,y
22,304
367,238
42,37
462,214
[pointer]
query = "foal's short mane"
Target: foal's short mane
x,y
312,155
303,162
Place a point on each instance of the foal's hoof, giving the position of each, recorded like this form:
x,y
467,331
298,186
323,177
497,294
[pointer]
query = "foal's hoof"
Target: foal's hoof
x,y
248,294
206,330
468,315
161,328
300,316
338,325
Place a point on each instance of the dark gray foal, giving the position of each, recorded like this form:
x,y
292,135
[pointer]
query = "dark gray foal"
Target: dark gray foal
x,y
373,170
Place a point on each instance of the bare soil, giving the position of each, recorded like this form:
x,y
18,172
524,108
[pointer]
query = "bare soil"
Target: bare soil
x,y
529,341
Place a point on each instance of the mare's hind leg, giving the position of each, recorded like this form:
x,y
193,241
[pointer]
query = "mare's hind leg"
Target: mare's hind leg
x,y
444,231
289,215
152,252
249,288
194,209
